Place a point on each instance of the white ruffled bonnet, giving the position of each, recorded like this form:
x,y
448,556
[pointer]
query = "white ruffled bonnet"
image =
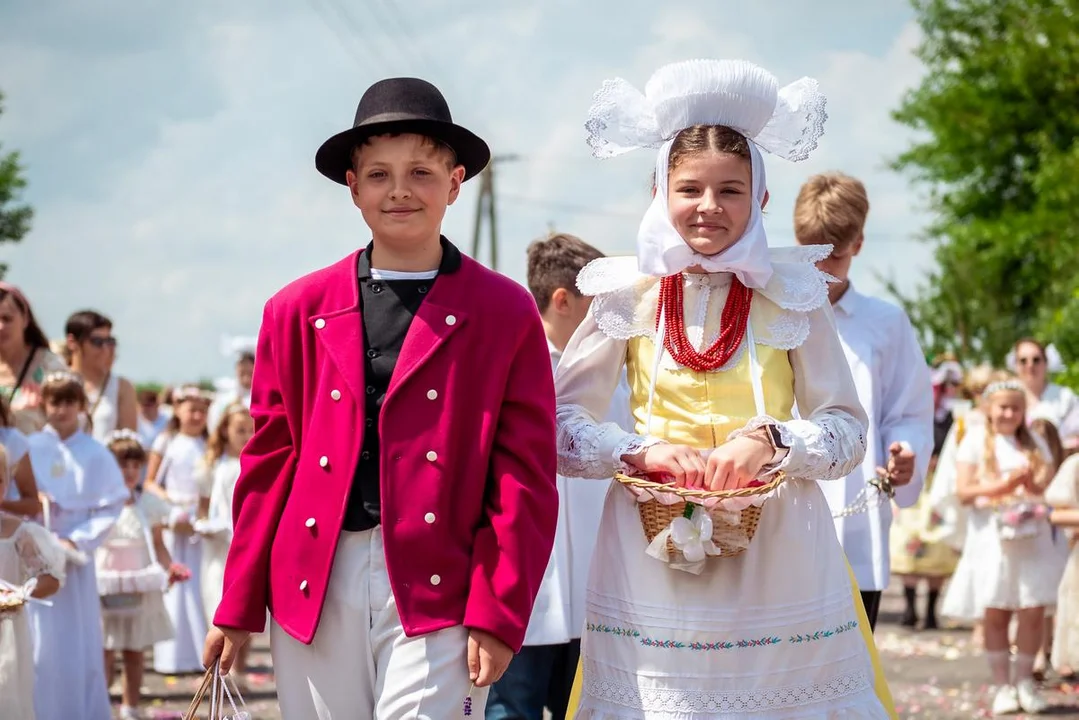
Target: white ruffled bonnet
x,y
787,122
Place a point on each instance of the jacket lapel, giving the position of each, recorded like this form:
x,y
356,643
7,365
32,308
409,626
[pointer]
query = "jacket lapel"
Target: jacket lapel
x,y
439,317
341,335
340,331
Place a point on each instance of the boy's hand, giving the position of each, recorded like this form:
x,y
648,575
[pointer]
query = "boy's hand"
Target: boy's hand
x,y
223,643
900,465
488,658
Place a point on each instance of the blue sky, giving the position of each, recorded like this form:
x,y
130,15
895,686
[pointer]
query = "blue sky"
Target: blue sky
x,y
169,146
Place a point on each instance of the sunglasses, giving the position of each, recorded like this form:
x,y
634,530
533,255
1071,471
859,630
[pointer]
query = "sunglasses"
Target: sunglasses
x,y
1036,360
102,342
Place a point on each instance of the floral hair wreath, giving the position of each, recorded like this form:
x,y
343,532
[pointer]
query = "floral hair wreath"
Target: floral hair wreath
x,y
1003,386
787,122
123,434
190,392
62,376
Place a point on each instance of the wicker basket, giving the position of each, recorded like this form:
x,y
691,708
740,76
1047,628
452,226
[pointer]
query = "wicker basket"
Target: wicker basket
x,y
732,530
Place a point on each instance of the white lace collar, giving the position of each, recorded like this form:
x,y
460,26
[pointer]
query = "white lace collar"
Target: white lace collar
x,y
625,299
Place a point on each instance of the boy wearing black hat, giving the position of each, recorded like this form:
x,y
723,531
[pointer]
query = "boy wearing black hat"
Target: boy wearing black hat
x,y
396,507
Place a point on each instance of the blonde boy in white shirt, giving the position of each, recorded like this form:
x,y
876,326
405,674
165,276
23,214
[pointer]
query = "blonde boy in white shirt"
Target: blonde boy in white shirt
x,y
891,375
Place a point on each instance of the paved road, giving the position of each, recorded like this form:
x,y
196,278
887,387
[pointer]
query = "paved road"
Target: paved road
x,y
933,675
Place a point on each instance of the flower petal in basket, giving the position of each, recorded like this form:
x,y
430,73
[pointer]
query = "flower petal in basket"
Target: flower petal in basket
x,y
665,498
737,503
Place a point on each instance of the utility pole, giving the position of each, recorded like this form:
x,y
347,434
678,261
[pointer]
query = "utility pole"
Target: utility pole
x,y
485,207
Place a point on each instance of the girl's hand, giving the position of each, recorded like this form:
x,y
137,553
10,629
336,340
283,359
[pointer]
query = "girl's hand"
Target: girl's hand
x,y
1021,477
178,573
737,463
681,462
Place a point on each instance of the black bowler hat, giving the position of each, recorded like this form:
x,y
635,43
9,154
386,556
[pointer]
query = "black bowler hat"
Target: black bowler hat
x,y
402,105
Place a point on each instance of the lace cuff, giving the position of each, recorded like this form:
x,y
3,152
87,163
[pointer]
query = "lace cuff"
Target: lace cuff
x,y
829,446
587,449
40,553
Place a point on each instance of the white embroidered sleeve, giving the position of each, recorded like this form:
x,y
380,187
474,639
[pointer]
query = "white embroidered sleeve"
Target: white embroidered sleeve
x,y
585,380
39,552
828,440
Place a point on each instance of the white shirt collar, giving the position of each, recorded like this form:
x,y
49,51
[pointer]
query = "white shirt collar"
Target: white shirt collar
x,y
848,302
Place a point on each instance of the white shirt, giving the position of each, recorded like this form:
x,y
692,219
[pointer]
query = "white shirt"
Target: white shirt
x,y
894,386
558,615
1060,406
106,409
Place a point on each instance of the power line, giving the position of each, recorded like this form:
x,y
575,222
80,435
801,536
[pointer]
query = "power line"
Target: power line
x,y
570,207
334,28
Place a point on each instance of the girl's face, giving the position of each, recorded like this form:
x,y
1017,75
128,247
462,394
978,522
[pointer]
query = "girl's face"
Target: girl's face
x,y
1007,410
1030,364
132,470
13,322
192,416
710,200
63,416
240,429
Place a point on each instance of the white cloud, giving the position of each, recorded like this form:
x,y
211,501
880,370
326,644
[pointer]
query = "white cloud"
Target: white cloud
x,y
174,179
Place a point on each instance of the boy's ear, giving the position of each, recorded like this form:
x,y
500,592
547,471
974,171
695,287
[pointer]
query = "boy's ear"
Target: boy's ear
x,y
457,177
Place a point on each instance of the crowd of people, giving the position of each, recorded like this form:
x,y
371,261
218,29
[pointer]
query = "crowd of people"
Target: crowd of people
x,y
116,512
689,507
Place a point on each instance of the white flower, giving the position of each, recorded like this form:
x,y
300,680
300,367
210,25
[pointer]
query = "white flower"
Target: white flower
x,y
693,535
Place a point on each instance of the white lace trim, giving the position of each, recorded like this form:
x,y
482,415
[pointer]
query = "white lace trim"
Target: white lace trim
x,y
827,446
625,301
587,449
669,701
787,122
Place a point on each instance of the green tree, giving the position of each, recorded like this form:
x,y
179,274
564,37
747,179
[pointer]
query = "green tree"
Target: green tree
x,y
14,217
997,123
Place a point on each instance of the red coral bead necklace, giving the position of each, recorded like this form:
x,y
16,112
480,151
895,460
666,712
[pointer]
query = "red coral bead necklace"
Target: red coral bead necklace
x,y
733,323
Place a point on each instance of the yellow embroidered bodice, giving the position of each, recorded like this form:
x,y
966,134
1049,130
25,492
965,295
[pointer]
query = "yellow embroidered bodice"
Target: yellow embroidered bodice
x,y
702,409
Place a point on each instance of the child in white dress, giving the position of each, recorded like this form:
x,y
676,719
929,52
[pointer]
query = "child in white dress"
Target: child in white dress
x,y
172,475
721,338
134,569
84,494
31,564
1008,566
1063,496
218,473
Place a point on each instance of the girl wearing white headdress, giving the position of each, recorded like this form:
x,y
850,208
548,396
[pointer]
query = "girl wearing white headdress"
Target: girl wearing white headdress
x,y
1008,567
721,337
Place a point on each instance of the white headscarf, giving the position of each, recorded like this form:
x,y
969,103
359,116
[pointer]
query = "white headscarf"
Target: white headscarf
x,y
787,122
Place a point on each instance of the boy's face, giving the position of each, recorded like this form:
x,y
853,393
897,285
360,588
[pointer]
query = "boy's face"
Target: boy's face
x,y
403,184
838,263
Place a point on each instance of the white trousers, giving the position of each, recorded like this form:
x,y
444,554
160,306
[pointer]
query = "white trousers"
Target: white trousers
x,y
360,665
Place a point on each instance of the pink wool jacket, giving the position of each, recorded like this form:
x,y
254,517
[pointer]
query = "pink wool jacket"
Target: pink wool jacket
x,y
468,457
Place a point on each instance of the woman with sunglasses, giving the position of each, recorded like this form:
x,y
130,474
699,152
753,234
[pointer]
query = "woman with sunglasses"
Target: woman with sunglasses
x,y
113,404
1033,362
25,359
